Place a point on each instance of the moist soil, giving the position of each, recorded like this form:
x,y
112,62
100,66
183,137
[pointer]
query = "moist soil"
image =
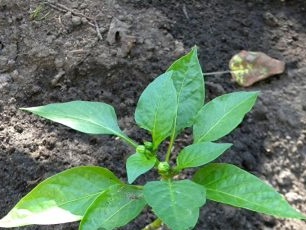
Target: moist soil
x,y
110,50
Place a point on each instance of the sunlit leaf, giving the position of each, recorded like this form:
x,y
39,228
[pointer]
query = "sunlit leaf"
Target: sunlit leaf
x,y
114,208
200,153
156,108
221,115
189,84
137,164
61,198
176,203
83,116
228,184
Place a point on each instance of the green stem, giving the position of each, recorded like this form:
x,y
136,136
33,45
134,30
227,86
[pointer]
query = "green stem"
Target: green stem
x,y
169,150
222,72
128,140
154,225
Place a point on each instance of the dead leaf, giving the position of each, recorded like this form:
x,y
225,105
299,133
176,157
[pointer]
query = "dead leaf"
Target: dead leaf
x,y
248,67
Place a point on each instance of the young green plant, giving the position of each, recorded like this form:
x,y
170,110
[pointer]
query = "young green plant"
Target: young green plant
x,y
172,102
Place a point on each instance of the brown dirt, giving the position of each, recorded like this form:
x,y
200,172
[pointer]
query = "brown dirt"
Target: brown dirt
x,y
149,36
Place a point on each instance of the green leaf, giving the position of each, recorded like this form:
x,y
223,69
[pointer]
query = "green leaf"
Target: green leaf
x,y
138,164
220,116
231,185
200,153
83,116
156,108
189,84
61,198
114,208
176,203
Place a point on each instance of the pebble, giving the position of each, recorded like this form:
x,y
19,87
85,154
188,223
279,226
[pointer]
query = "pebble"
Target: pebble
x,y
84,20
285,178
68,14
270,19
5,79
15,75
76,21
293,197
83,6
59,62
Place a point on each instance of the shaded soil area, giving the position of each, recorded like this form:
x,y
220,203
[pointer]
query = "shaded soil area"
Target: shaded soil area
x,y
110,50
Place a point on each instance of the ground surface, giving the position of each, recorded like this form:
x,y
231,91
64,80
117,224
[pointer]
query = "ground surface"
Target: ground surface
x,y
47,55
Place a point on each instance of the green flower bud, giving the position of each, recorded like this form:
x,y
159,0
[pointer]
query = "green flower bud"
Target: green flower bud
x,y
141,149
148,145
163,167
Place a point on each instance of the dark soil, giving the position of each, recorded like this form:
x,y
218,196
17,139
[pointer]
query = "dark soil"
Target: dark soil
x,y
47,55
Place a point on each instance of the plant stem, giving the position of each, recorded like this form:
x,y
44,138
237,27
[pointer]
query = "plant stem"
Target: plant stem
x,y
154,225
128,140
218,72
222,72
169,150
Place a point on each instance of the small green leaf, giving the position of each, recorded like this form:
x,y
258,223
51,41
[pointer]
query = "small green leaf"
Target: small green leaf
x,y
189,84
176,203
220,116
114,208
138,164
200,153
156,108
83,116
228,184
61,198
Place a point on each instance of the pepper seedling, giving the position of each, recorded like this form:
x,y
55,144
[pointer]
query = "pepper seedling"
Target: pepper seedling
x,y
172,102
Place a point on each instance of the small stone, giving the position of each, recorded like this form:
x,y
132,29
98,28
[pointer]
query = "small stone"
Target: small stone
x,y
55,80
84,20
18,129
270,19
293,197
83,6
285,178
268,146
76,21
5,79
68,14
102,29
59,62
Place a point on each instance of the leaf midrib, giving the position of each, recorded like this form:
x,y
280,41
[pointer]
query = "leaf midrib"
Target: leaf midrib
x,y
80,119
217,123
257,206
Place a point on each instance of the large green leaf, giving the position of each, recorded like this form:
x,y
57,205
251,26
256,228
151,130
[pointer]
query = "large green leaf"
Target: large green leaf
x,y
221,115
231,185
200,153
138,164
114,208
61,198
189,84
176,203
83,116
156,108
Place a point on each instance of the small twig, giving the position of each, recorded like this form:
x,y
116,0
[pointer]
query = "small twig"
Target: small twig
x,y
98,31
185,11
65,9
222,72
217,72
